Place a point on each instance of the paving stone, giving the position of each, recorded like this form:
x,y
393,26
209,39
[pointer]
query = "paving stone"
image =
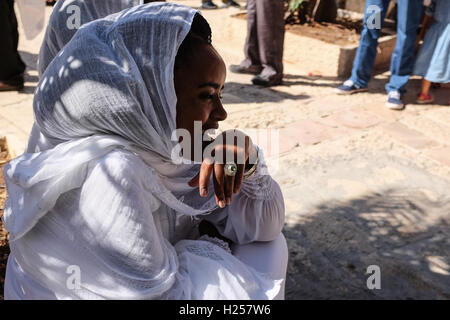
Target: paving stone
x,y
441,115
306,132
354,118
382,112
441,154
409,137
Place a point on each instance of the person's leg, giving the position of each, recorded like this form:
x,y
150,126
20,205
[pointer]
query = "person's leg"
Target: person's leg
x,y
270,26
367,49
409,14
251,48
252,62
425,86
266,257
424,96
11,65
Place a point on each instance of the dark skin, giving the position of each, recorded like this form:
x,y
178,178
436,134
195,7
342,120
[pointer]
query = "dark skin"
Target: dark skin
x,y
198,87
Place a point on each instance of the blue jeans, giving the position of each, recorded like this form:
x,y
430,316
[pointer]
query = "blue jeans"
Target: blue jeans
x,y
402,60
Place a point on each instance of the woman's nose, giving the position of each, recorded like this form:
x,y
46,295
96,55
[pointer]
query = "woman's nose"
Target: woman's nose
x,y
220,113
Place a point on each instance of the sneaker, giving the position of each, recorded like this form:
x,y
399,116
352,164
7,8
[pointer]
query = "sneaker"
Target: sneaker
x,y
394,101
253,69
262,80
424,98
349,87
209,5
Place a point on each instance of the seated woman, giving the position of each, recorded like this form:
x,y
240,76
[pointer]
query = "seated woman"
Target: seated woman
x,y
103,211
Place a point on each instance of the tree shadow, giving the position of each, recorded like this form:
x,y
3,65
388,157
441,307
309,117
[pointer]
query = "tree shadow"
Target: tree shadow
x,y
332,248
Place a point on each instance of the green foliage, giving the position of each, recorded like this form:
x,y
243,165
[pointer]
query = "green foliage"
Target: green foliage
x,y
301,11
295,5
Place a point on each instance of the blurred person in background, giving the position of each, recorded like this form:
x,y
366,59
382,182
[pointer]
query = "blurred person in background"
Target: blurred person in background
x,y
264,44
11,65
432,62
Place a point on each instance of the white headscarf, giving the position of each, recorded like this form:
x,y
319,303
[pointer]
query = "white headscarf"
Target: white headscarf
x,y
111,87
68,16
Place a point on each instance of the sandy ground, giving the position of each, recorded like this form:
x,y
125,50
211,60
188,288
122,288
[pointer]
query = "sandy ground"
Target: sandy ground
x,y
363,185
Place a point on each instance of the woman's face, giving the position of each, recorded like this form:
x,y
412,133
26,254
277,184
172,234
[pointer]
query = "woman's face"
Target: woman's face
x,y
198,87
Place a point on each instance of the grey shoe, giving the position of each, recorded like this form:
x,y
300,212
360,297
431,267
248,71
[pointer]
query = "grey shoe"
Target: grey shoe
x,y
209,5
253,69
394,101
267,81
231,3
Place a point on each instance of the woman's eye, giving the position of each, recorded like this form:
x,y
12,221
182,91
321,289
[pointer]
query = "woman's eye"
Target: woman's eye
x,y
206,96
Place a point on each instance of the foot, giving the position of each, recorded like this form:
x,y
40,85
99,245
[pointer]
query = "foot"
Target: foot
x,y
424,98
231,3
253,69
209,5
266,81
394,101
8,87
349,87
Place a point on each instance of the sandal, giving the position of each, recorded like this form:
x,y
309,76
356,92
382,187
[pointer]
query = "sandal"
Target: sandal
x,y
424,98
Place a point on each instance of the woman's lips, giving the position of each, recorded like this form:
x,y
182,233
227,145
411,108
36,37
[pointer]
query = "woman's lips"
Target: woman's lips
x,y
214,126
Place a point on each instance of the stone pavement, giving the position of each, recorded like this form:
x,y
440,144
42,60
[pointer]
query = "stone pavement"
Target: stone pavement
x,y
363,185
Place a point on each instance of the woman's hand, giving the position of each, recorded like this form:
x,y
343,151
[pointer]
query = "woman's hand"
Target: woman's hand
x,y
231,145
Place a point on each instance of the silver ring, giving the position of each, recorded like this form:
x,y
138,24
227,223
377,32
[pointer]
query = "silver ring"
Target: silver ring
x,y
230,169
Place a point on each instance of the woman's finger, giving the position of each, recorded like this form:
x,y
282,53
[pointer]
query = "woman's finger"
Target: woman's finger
x,y
229,184
239,178
194,181
206,169
219,185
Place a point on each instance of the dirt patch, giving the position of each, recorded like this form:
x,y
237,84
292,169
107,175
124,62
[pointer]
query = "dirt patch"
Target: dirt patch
x,y
4,247
343,32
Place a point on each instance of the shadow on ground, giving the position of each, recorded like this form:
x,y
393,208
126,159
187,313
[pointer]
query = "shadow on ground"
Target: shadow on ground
x,y
331,249
235,92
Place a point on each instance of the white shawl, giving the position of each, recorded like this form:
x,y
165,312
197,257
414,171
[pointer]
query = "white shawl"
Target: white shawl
x,y
68,16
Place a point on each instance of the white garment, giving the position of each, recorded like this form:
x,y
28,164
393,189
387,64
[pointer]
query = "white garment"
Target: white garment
x,y
32,16
103,195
